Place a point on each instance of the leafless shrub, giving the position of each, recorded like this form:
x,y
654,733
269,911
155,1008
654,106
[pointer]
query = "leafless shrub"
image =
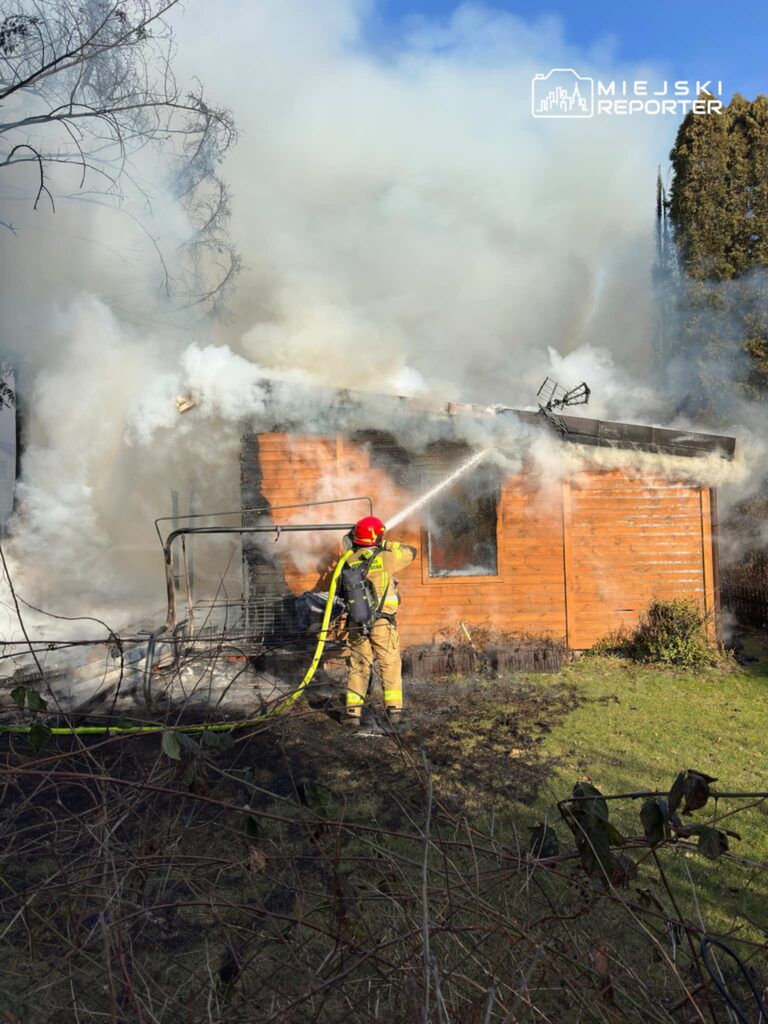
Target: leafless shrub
x,y
217,875
152,882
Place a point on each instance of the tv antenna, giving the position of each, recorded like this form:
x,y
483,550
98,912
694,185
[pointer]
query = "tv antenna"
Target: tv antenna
x,y
553,396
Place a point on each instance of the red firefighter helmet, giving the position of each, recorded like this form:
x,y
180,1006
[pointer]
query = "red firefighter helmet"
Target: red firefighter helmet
x,y
368,532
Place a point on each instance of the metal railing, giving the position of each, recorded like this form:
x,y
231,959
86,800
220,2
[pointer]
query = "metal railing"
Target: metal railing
x,y
185,531
181,533
256,618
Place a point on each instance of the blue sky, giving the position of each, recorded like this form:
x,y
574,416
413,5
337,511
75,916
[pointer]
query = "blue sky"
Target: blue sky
x,y
685,40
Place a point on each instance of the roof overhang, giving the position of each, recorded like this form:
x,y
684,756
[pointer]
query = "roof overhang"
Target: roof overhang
x,y
339,408
637,437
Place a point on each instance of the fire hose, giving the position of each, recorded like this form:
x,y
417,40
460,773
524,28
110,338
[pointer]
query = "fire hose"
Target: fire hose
x,y
290,700
282,705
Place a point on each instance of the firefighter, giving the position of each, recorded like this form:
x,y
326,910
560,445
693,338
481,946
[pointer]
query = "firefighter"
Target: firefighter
x,y
380,639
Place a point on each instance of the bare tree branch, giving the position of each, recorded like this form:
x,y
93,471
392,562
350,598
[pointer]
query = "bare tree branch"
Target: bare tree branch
x,y
89,84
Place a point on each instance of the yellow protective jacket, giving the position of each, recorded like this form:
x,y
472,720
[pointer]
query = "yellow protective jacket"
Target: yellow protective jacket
x,y
384,564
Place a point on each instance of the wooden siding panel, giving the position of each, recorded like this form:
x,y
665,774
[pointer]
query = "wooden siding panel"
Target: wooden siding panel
x,y
568,562
584,557
527,594
632,541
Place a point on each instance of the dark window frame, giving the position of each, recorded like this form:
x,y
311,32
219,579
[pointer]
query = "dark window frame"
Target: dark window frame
x,y
465,578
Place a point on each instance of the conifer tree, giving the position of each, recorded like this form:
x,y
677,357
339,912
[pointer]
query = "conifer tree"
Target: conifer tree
x,y
718,209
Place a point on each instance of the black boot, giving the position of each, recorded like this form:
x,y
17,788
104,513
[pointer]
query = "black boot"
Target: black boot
x,y
393,723
370,728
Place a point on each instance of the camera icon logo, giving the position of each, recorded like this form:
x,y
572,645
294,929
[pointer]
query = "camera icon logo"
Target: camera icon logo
x,y
562,92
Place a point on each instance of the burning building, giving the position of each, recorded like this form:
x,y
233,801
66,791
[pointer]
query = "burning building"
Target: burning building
x,y
572,554
537,523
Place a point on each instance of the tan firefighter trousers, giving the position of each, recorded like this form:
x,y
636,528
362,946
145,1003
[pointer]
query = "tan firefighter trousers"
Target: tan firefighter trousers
x,y
382,643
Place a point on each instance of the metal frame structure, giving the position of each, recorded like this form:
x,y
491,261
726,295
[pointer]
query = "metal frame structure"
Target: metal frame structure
x,y
183,531
262,510
171,621
172,625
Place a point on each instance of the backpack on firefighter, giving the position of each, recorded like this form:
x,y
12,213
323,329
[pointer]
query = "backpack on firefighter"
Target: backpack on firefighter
x,y
362,603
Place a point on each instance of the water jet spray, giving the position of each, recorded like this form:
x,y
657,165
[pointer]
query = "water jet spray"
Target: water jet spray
x,y
425,499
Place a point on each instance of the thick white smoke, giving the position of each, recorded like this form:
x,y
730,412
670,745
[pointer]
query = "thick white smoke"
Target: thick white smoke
x,y
401,211
406,226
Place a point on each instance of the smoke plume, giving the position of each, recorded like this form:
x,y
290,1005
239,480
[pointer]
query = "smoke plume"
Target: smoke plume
x,y
406,227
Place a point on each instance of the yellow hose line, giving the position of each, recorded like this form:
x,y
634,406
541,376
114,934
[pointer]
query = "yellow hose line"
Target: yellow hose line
x,y
323,636
287,702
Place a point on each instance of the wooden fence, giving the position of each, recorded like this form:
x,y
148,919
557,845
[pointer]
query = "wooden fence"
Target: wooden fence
x,y
748,604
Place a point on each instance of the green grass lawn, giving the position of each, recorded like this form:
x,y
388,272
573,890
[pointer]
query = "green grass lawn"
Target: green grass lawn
x,y
638,725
